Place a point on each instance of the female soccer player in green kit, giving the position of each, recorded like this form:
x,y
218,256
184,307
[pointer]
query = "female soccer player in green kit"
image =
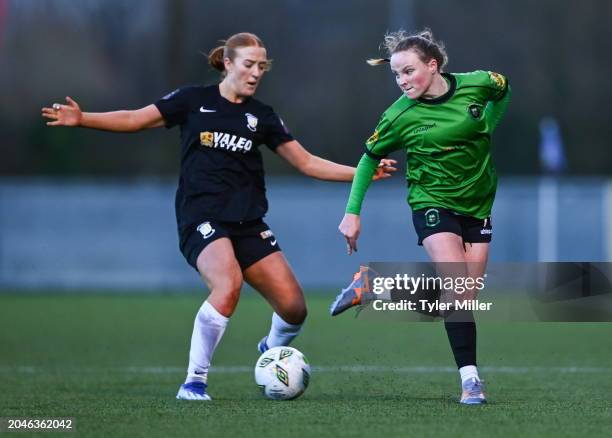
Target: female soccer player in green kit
x,y
444,121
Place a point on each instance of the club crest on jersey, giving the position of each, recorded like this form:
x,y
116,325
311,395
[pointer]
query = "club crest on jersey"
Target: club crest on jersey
x,y
206,230
475,110
499,80
251,121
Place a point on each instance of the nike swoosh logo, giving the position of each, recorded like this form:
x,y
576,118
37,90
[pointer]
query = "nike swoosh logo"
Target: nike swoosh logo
x,y
204,110
273,242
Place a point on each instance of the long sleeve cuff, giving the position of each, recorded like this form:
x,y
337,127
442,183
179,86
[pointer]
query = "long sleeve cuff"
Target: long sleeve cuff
x,y
363,177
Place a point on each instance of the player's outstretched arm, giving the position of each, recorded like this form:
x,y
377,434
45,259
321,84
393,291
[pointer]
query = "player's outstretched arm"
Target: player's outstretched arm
x,y
350,227
70,114
317,167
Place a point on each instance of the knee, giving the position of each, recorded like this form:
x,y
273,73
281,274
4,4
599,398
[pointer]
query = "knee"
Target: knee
x,y
230,286
296,313
226,293
302,313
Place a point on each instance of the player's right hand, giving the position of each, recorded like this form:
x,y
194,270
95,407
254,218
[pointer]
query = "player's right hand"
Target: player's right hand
x,y
350,227
63,115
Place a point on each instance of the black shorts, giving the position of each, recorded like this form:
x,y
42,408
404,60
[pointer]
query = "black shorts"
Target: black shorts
x,y
428,221
252,240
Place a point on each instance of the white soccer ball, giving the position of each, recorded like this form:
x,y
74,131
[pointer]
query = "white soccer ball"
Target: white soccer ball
x,y
282,373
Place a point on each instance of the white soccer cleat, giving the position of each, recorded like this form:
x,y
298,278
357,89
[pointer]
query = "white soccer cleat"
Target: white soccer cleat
x,y
473,392
193,391
262,346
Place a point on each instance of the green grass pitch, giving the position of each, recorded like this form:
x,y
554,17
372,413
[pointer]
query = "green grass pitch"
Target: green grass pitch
x,y
114,363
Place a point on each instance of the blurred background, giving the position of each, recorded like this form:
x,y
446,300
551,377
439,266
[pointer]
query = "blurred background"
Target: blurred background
x,y
86,209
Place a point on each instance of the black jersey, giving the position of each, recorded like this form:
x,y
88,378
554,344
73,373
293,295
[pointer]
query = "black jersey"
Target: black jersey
x,y
222,174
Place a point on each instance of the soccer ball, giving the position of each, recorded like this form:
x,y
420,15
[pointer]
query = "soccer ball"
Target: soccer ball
x,y
282,373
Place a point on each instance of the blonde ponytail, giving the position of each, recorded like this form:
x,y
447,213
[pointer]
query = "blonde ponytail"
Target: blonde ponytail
x,y
377,61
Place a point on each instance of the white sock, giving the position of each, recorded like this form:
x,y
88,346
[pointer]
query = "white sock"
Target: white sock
x,y
468,372
208,328
281,332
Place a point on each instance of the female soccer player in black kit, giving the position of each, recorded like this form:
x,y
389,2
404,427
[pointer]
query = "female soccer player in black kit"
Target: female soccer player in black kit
x,y
220,200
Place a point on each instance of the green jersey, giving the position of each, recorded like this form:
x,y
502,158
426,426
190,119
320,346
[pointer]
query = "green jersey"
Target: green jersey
x,y
448,143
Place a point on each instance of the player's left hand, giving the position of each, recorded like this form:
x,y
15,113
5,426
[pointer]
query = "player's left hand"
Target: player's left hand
x,y
384,169
350,227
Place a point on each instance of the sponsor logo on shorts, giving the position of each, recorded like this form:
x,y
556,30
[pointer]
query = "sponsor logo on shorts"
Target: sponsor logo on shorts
x,y
206,230
432,217
486,226
266,234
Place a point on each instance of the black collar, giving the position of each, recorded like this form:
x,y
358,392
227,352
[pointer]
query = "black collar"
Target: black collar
x,y
443,98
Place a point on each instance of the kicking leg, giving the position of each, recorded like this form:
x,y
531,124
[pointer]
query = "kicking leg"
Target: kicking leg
x,y
273,278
